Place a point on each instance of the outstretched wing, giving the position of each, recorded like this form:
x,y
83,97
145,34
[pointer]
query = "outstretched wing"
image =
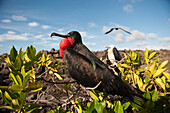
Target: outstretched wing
x,y
117,29
125,30
109,31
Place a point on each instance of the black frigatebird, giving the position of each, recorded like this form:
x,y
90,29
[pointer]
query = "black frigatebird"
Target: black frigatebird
x,y
88,70
117,29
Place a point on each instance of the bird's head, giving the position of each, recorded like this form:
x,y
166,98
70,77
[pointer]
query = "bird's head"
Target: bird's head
x,y
69,40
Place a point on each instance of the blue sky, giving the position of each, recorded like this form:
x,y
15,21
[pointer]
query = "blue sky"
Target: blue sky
x,y
30,22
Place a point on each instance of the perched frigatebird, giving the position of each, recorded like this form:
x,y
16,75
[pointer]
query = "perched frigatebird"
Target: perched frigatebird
x,y
113,56
118,29
88,70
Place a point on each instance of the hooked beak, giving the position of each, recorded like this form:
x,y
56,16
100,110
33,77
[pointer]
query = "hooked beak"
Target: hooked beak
x,y
60,35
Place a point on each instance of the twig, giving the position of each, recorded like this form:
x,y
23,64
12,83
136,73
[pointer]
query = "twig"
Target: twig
x,y
92,88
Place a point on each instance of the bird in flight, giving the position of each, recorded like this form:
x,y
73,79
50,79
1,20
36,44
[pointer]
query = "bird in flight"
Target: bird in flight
x,y
118,29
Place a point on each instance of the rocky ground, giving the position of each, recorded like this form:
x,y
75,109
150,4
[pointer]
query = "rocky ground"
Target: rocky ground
x,y
52,93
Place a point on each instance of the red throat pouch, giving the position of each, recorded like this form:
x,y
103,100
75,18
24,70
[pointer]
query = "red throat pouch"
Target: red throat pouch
x,y
64,44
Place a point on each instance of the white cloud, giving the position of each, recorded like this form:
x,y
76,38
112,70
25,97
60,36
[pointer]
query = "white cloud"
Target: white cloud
x,y
89,44
92,24
169,19
10,35
166,39
136,35
45,27
33,24
119,38
6,20
11,32
83,34
60,30
39,36
141,44
152,35
128,8
105,29
19,18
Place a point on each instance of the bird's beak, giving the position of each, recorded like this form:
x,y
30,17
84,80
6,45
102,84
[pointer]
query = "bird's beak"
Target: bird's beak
x,y
60,35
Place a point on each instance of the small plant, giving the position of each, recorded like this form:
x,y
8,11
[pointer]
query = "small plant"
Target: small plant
x,y
21,71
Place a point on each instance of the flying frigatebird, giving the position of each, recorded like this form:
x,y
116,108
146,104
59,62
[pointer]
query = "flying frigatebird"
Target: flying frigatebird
x,y
118,29
88,70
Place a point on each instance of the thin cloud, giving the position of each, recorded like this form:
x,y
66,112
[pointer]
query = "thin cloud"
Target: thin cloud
x,y
119,38
105,29
166,39
128,8
152,35
136,35
19,18
33,24
10,35
45,27
6,21
84,34
92,24
90,44
11,32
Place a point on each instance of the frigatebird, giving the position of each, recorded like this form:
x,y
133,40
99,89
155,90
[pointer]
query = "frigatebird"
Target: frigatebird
x,y
88,70
113,56
117,29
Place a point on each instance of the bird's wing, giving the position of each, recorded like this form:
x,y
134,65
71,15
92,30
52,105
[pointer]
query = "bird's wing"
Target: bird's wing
x,y
125,30
81,68
116,54
109,31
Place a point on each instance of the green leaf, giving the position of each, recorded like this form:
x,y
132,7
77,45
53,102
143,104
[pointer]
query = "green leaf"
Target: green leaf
x,y
7,97
38,55
30,52
152,55
147,95
23,72
16,88
146,79
167,75
160,83
91,107
93,96
18,63
5,107
148,72
13,78
118,107
21,54
13,54
43,58
3,88
125,105
34,86
159,72
15,104
163,64
30,107
149,105
58,110
125,66
153,68
154,95
146,54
